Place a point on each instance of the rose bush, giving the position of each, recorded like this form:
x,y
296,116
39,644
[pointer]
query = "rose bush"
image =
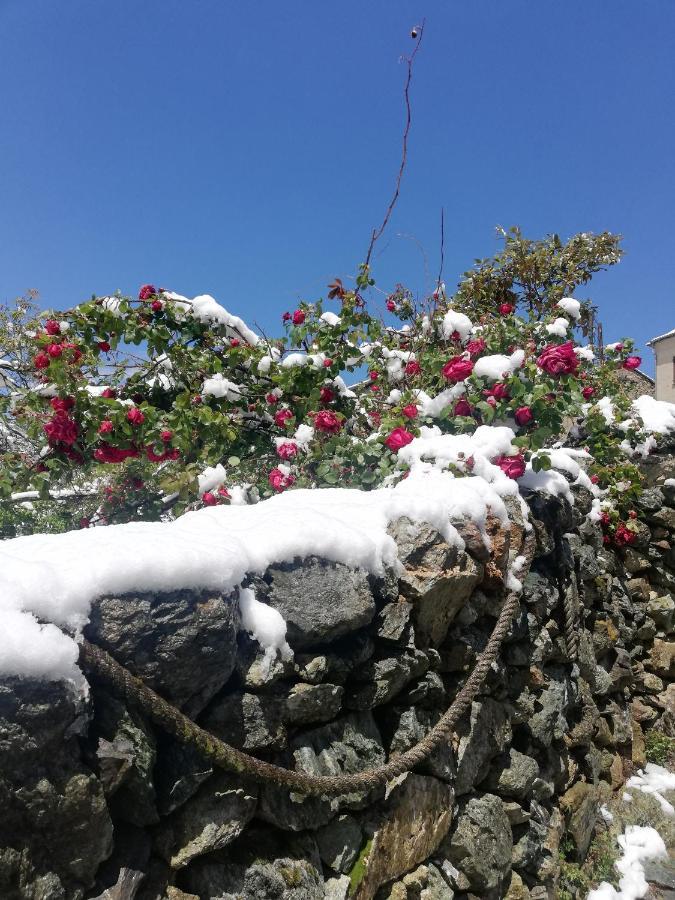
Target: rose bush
x,y
132,398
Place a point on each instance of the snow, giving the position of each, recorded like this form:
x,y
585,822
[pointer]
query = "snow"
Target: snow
x,y
585,353
207,310
558,328
657,416
498,366
613,346
638,844
434,406
331,319
211,478
112,304
606,409
654,780
455,321
55,577
571,306
265,624
219,386
606,814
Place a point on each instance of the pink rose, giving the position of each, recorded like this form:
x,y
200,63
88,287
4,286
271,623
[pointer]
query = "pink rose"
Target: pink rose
x,y
135,416
513,466
109,393
463,408
327,363
234,342
298,317
523,415
410,411
587,393
632,362
287,450
327,421
208,499
105,427
391,306
279,481
281,416
457,369
413,368
399,437
476,346
558,359
506,309
147,291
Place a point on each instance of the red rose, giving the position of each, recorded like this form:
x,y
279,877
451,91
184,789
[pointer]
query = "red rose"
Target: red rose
x,y
105,427
326,395
410,411
513,466
413,368
326,420
160,457
197,400
499,391
476,346
61,429
373,375
298,317
109,393
279,481
287,450
463,408
375,418
632,362
104,346
623,536
235,342
587,393
399,438
632,514
52,327
166,435
41,361
281,416
135,416
455,336
55,350
558,359
604,519
457,369
506,309
327,363
208,499
594,479
523,415
491,402
113,454
62,404
286,317
391,306
147,291
156,306
223,492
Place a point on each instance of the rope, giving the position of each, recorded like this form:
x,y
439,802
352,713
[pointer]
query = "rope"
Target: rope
x,y
571,608
98,662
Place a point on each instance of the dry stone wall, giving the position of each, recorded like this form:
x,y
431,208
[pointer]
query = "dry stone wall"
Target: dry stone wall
x,y
98,803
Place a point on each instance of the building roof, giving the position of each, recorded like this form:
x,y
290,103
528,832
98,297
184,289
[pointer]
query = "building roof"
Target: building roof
x,y
661,337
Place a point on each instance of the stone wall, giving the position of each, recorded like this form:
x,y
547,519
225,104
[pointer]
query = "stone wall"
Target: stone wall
x,y
99,803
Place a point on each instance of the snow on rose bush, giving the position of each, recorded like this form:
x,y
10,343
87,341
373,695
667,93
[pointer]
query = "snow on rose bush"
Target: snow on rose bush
x,y
142,395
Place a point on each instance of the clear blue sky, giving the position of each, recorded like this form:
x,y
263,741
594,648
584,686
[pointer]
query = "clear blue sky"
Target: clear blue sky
x,y
247,149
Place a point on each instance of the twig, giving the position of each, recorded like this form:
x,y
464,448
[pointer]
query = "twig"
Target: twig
x,y
377,232
440,270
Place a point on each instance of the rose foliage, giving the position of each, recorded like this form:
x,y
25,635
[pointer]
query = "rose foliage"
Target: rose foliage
x,y
143,407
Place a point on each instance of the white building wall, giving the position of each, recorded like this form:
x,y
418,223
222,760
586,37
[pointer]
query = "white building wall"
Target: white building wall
x,y
664,350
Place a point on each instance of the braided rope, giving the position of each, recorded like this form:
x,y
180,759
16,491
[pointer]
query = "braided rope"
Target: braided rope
x,y
100,663
571,608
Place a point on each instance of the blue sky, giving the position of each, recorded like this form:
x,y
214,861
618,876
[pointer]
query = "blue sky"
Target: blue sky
x,y
247,149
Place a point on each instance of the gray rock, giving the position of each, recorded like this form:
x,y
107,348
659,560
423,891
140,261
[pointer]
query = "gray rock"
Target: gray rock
x,y
662,611
339,843
320,601
262,865
247,721
55,829
580,806
121,875
512,774
424,883
481,844
181,643
337,888
481,739
393,622
255,669
379,681
126,756
405,727
548,722
179,773
309,703
335,665
348,745
212,819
